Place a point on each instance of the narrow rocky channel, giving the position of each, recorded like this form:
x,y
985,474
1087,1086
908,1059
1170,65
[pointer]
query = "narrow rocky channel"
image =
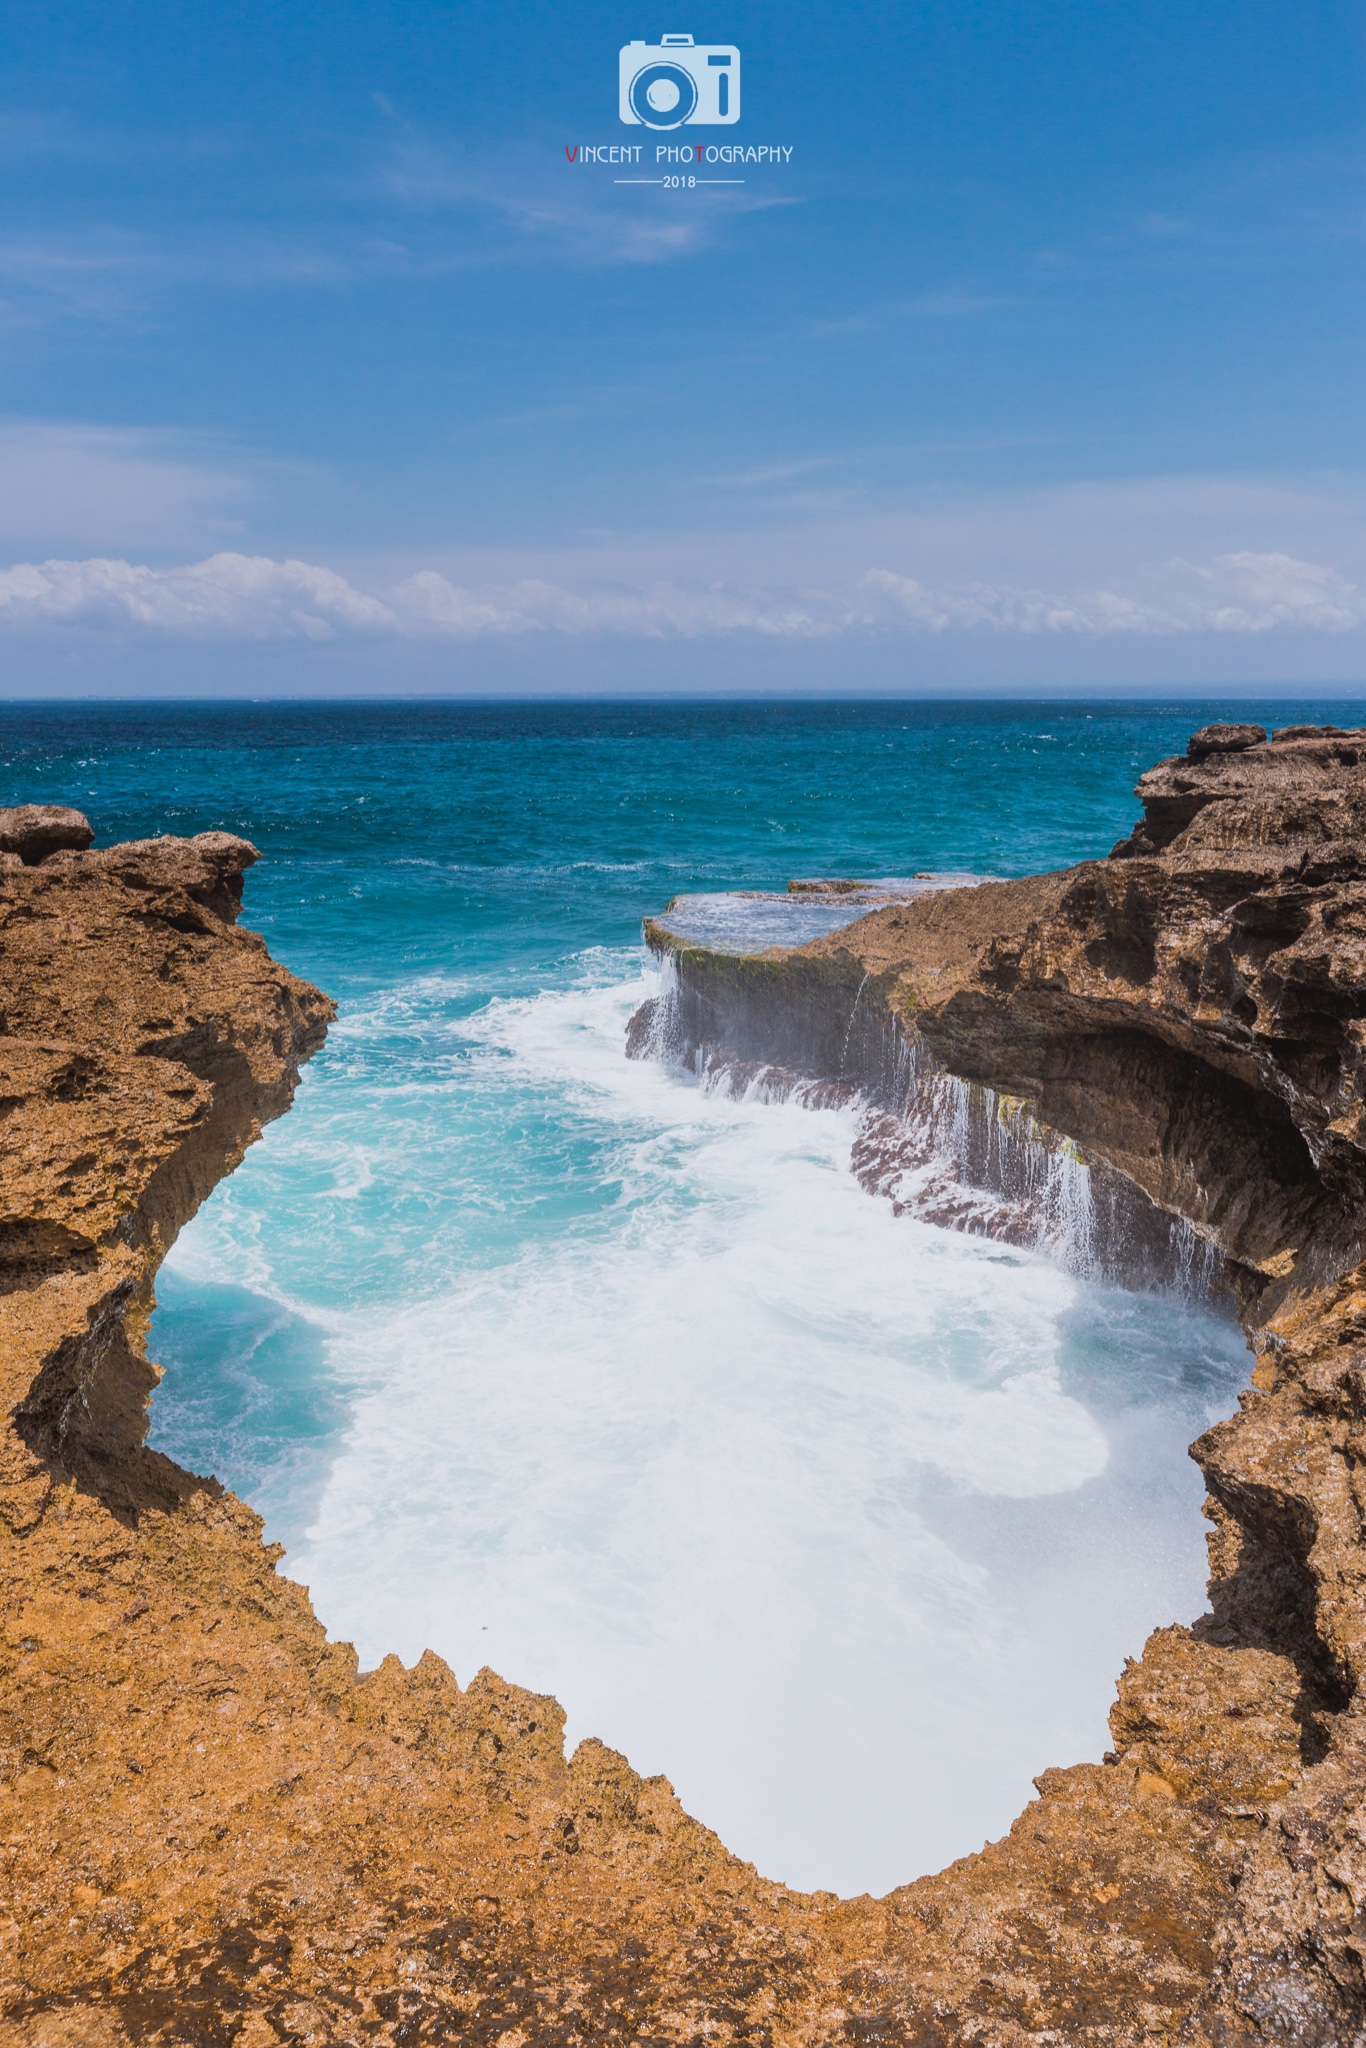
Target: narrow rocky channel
x,y
218,1831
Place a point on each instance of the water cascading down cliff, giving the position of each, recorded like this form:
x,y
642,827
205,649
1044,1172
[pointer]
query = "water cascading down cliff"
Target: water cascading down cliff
x,y
216,1831
952,1152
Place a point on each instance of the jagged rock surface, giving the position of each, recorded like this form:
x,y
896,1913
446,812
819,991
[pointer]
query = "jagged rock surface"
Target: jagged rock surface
x,y
215,1832
1192,1013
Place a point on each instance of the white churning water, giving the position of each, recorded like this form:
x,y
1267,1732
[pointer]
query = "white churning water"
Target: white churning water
x,y
842,1521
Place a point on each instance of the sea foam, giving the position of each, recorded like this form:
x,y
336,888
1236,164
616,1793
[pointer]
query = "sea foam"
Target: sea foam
x,y
843,1521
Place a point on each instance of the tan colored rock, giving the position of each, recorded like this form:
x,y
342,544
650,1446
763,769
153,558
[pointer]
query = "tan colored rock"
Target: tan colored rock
x,y
214,1831
1192,1015
30,832
1224,739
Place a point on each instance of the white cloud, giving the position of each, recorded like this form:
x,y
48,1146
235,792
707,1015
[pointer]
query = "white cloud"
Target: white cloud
x,y
235,596
1141,577
1262,591
434,602
659,611
1241,592
227,596
254,597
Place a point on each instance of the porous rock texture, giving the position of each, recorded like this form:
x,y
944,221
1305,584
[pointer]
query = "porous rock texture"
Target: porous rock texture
x,y
214,1831
29,832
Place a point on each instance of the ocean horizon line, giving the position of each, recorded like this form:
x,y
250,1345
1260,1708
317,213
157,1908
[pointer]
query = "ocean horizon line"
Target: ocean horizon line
x,y
1261,693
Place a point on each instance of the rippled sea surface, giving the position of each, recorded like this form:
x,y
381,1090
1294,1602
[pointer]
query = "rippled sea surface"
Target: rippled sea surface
x,y
554,1362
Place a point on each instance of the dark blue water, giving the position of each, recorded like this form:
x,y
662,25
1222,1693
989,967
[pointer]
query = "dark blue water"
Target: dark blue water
x,y
553,1360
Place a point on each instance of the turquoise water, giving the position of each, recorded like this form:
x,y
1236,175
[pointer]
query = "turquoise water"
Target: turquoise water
x,y
556,1362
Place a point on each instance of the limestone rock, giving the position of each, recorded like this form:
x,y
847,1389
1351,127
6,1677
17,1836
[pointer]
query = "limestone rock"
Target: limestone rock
x,y
1224,739
32,831
214,1831
1191,1015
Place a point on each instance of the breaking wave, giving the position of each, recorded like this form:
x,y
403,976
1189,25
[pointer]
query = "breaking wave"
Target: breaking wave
x,y
621,1384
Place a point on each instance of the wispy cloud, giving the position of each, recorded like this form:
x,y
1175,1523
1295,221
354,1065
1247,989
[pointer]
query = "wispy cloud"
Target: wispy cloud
x,y
434,216
569,213
68,484
87,275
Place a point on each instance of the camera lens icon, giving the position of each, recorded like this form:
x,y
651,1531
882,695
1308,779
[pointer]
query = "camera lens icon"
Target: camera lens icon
x,y
663,95
676,81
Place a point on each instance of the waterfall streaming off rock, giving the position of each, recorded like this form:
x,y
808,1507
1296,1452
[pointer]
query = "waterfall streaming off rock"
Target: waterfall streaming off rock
x,y
950,1151
606,1371
768,1483
609,1373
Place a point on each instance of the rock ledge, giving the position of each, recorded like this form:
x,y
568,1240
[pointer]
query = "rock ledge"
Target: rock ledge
x,y
216,1831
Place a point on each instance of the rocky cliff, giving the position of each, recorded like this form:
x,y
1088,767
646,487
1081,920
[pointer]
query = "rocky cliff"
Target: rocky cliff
x,y
216,1831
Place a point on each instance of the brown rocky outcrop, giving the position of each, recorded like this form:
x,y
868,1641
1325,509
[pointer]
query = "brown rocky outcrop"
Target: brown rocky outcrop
x,y
29,832
214,1831
1191,1014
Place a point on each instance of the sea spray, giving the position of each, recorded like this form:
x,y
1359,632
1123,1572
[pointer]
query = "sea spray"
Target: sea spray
x,y
953,1152
842,1521
424,860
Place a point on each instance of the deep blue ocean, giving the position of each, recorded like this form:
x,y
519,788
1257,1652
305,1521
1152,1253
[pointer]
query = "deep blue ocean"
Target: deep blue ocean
x,y
556,1362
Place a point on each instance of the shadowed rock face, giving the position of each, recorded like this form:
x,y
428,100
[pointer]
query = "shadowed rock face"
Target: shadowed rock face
x,y
1191,1013
216,1832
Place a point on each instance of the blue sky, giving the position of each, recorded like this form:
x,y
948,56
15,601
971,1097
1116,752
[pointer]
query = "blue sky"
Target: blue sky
x,y
1039,364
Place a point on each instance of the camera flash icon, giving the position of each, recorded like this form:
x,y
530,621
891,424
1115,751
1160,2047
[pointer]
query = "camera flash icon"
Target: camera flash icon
x,y
677,83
